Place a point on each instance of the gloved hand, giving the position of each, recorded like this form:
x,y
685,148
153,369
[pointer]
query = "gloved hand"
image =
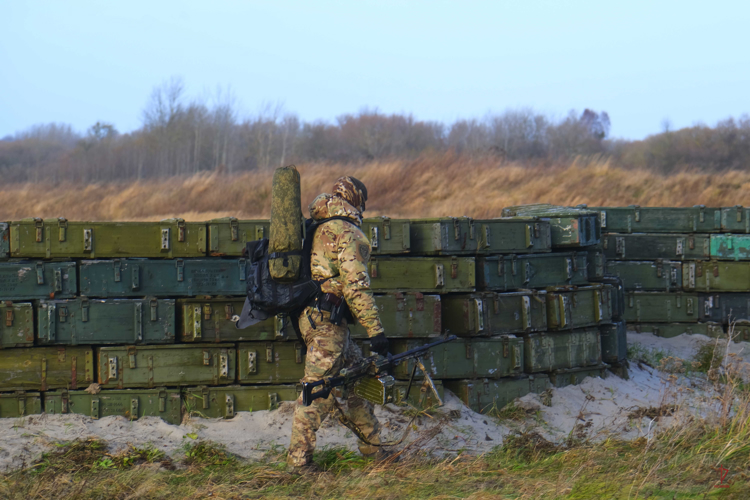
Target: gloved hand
x,y
379,344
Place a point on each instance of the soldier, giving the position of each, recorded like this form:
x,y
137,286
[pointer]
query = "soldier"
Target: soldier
x,y
339,258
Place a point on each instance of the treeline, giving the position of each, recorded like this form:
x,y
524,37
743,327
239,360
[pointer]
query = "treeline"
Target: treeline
x,y
184,136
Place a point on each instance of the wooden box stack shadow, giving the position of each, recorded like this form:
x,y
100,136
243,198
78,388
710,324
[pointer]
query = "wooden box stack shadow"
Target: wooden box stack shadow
x,y
134,319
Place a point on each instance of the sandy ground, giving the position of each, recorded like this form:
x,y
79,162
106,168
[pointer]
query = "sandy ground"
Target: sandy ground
x,y
595,409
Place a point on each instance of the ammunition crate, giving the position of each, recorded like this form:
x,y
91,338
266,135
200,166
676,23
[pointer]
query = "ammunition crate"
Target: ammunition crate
x,y
504,273
725,308
131,403
37,238
638,246
735,219
210,320
422,274
228,236
225,402
167,365
730,247
487,314
109,321
635,219
665,276
669,330
20,404
270,362
43,368
545,352
466,236
163,278
664,307
465,358
37,280
388,236
570,307
420,396
716,276
406,315
488,396
16,324
570,227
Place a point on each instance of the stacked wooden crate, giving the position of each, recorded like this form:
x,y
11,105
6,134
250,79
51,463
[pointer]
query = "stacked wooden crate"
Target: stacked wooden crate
x,y
134,318
685,270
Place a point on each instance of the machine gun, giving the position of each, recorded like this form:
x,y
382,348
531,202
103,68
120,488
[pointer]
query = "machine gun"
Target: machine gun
x,y
370,378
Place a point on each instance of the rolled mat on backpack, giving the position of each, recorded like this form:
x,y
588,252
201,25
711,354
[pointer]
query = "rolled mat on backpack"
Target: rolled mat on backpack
x,y
286,225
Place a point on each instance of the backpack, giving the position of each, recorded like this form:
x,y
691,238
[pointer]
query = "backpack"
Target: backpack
x,y
267,297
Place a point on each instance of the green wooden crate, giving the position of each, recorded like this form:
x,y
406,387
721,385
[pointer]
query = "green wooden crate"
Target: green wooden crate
x,y
4,241
488,396
735,219
210,320
578,307
669,330
20,404
655,275
37,280
662,307
388,236
423,274
43,368
419,396
228,236
463,235
129,403
270,362
512,272
574,376
163,278
614,338
487,314
725,308
59,238
167,365
570,227
716,276
465,358
225,402
406,315
635,219
108,321
545,352
730,247
16,324
639,246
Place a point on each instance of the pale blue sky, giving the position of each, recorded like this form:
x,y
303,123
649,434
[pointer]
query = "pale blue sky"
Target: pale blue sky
x,y
641,61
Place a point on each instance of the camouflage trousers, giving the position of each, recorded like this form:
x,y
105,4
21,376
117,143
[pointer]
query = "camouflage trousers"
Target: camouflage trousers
x,y
328,350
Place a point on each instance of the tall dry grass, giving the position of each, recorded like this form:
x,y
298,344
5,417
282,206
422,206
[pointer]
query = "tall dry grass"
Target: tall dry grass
x,y
426,187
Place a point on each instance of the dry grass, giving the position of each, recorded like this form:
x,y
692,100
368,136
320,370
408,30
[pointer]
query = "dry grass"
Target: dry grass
x,y
426,187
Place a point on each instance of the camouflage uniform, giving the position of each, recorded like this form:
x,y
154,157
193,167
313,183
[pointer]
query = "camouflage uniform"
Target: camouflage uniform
x,y
340,252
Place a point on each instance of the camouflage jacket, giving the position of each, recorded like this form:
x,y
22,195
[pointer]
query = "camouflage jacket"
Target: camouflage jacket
x,y
341,252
